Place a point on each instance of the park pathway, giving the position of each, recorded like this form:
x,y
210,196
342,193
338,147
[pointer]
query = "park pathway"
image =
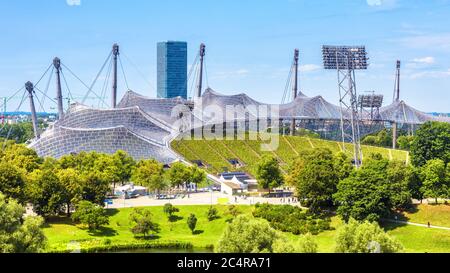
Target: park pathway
x,y
416,224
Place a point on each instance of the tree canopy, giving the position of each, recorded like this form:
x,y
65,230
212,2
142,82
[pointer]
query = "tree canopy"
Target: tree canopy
x,y
373,191
268,173
432,141
19,234
366,237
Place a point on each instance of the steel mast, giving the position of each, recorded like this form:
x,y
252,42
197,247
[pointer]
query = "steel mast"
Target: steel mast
x,y
295,88
115,52
30,88
200,77
59,97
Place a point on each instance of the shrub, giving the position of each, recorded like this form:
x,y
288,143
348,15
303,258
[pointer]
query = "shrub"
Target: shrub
x,y
292,219
212,214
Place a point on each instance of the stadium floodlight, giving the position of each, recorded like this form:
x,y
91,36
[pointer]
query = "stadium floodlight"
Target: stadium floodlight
x,y
370,105
370,101
347,59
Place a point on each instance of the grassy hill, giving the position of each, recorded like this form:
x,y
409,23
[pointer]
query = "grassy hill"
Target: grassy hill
x,y
216,153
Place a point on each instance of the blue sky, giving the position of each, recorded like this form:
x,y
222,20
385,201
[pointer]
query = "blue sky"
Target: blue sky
x,y
250,43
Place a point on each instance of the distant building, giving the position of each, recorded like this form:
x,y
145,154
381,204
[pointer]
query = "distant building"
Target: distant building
x,y
172,69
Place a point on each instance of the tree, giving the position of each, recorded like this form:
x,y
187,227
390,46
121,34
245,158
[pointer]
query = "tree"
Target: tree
x,y
197,176
435,182
20,132
108,168
70,181
415,183
247,235
19,234
169,210
212,214
12,183
22,157
142,220
366,237
432,141
126,165
307,244
149,173
45,192
342,165
398,181
314,176
178,174
94,187
233,210
192,222
91,215
405,142
368,194
268,173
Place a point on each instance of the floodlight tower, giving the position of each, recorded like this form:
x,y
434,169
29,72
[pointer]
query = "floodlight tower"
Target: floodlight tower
x,y
200,77
30,88
347,59
115,52
295,88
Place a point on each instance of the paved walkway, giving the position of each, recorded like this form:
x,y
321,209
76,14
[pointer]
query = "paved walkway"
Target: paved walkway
x,y
416,224
204,198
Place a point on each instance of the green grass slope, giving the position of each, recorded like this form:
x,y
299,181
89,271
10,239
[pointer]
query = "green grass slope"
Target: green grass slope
x,y
216,153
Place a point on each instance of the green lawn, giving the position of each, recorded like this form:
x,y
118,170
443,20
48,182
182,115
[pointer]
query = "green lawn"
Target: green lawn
x,y
61,233
422,214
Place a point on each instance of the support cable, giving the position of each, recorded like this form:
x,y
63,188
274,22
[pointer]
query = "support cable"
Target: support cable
x,y
81,81
95,80
67,86
105,84
10,129
123,73
137,70
48,85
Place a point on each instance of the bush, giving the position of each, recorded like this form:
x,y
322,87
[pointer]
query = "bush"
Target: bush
x,y
91,215
212,214
292,219
192,222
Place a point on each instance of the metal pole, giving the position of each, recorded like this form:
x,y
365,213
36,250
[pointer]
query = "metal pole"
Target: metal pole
x,y
397,87
200,78
394,135
59,97
30,88
114,86
295,90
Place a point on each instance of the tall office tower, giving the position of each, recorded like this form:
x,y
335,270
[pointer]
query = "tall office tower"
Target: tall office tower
x,y
172,69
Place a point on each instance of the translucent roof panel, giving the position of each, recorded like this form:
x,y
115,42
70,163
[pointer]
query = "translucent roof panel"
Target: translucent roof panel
x,y
400,112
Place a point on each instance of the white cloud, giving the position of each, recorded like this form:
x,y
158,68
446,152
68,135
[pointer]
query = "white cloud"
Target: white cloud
x,y
374,2
382,3
73,2
439,41
230,74
309,67
431,74
425,60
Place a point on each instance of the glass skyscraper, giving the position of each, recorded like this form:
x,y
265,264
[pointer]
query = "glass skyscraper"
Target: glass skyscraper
x,y
172,69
